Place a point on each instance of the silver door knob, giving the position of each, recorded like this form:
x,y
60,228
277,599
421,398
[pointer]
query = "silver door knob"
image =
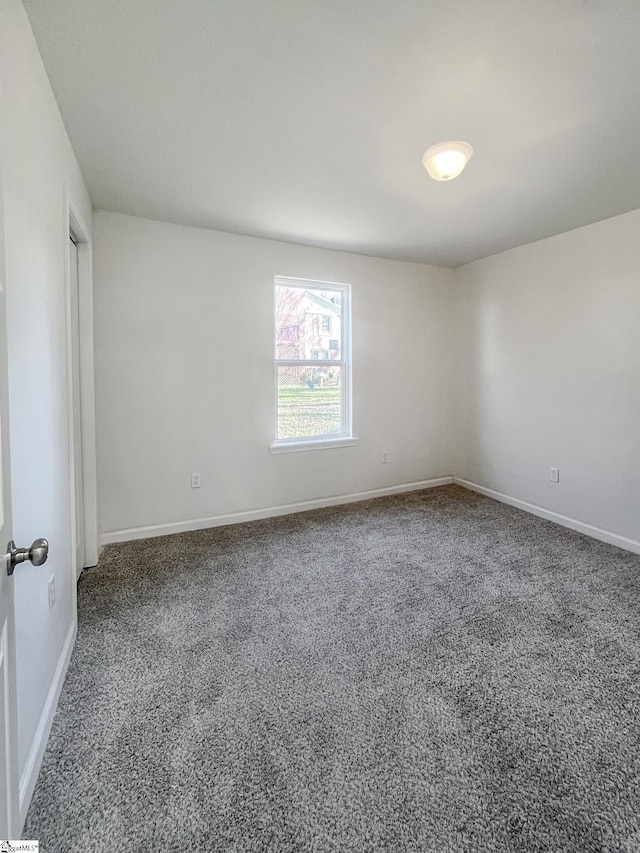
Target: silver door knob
x,y
38,554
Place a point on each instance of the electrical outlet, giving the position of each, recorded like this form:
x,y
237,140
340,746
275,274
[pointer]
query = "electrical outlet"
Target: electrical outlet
x,y
385,457
196,481
52,591
554,475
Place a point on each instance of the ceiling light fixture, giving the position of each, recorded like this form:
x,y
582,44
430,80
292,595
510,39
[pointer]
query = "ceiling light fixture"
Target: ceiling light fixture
x,y
446,160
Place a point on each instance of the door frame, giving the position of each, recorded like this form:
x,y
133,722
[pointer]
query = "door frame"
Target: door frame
x,y
78,231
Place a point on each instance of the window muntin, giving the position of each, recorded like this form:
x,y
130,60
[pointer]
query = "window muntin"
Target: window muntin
x,y
312,358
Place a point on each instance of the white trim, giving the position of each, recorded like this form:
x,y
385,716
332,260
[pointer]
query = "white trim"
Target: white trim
x,y
71,297
311,444
81,234
564,520
34,760
302,283
130,533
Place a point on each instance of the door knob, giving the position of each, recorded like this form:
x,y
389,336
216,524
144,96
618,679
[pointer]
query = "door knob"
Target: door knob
x,y
38,554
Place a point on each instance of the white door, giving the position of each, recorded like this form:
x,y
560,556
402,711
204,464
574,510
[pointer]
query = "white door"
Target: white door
x,y
9,804
76,402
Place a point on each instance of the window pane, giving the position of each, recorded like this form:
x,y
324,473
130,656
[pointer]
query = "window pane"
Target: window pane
x,y
308,323
308,401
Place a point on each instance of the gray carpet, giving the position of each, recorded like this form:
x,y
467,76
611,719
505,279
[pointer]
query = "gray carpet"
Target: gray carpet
x,y
428,672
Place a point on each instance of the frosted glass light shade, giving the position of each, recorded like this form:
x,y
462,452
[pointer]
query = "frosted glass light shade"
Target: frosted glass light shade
x,y
447,159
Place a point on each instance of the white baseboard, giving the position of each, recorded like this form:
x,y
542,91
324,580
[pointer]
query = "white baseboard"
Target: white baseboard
x,y
564,520
29,776
129,533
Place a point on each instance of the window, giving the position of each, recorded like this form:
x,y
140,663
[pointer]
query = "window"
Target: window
x,y
313,371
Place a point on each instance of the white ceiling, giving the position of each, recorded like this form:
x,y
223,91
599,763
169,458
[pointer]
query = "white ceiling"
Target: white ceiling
x,y
306,120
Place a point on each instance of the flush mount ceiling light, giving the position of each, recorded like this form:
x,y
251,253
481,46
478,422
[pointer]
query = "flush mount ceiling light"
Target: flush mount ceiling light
x,y
446,160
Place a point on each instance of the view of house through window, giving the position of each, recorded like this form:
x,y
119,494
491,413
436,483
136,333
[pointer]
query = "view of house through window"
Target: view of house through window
x,y
312,359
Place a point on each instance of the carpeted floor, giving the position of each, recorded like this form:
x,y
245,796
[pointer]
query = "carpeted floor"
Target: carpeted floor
x,y
431,672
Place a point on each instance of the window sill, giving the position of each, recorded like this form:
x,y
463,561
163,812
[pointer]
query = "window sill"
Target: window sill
x,y
311,444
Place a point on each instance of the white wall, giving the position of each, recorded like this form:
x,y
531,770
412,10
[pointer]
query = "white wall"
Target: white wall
x,y
184,374
39,173
549,374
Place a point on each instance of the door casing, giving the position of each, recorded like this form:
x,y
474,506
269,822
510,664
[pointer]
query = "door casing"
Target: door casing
x,y
80,235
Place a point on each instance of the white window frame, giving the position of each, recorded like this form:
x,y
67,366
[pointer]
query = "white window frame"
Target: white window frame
x,y
345,437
